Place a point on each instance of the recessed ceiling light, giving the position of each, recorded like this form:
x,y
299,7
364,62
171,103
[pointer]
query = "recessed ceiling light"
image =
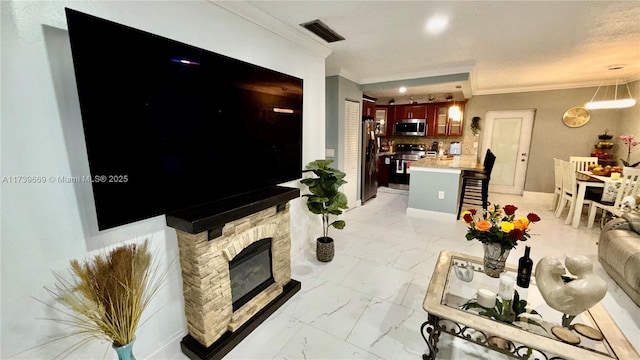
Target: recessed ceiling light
x,y
403,89
437,24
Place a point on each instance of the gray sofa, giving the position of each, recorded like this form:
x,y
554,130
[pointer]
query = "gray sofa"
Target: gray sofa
x,y
619,253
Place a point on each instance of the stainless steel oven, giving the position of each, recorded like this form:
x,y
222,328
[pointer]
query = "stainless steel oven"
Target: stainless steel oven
x,y
401,161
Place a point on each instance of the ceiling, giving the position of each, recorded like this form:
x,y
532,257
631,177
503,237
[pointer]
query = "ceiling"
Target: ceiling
x,y
511,46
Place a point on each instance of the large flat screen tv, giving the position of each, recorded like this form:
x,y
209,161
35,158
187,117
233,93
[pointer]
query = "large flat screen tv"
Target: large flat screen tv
x,y
169,126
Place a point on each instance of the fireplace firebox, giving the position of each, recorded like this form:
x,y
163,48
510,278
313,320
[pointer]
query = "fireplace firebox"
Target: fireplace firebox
x,y
250,272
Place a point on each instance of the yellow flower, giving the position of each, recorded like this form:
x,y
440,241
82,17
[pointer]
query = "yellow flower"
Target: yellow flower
x,y
506,226
483,225
521,223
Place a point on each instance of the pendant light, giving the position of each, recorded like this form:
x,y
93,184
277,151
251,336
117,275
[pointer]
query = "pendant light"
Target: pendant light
x,y
614,103
455,114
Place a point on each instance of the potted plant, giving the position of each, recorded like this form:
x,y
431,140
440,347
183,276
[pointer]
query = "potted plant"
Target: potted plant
x,y
475,126
325,199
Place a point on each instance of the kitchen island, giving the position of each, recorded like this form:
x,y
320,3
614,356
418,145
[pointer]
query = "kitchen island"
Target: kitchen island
x,y
434,186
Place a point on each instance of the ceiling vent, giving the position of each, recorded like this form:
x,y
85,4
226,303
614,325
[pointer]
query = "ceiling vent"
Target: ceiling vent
x,y
322,30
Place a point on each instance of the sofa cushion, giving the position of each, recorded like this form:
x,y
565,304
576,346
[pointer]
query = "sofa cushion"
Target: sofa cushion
x,y
617,247
632,270
633,220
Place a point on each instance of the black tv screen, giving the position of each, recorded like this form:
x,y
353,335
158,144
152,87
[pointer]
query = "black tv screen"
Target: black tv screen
x,y
169,126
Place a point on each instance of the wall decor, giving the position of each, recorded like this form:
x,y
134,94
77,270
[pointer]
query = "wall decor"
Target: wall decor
x,y
576,117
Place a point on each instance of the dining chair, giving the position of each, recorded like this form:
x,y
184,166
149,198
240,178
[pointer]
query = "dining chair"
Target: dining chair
x,y
475,185
583,162
569,191
557,188
629,186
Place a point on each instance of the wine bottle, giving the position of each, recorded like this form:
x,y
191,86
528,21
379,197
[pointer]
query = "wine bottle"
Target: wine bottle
x,y
525,264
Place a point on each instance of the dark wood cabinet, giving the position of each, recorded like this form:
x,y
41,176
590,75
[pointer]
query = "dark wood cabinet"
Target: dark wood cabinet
x,y
391,119
440,122
431,120
383,171
368,108
411,111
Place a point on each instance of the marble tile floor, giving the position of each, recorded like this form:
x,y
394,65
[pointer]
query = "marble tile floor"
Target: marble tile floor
x,y
367,302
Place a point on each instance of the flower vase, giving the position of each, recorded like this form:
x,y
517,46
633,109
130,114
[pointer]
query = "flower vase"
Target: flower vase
x,y
494,259
125,352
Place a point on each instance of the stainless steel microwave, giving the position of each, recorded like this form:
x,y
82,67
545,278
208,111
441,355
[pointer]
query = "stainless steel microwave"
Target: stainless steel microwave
x,y
410,127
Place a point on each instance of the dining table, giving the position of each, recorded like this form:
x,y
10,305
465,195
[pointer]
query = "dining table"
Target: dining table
x,y
586,179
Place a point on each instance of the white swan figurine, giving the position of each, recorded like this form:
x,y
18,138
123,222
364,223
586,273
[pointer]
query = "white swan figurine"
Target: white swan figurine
x,y
576,296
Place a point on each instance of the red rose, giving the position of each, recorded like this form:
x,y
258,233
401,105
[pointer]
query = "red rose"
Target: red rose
x,y
473,211
516,234
510,209
533,217
468,218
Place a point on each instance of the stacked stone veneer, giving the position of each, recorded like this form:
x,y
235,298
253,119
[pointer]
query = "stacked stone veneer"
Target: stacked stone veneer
x,y
205,272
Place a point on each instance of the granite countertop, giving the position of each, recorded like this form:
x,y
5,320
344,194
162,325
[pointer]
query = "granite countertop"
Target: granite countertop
x,y
461,162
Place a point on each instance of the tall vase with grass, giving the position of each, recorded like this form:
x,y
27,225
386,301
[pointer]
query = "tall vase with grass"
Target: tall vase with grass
x,y
104,297
325,199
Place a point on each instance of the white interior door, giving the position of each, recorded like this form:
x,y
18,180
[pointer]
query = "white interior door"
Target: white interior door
x,y
351,151
508,135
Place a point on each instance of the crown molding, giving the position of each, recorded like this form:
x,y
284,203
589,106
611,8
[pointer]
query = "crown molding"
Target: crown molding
x,y
565,86
268,22
342,72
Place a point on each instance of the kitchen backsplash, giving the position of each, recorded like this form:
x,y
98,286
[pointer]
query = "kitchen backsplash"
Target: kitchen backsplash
x,y
466,142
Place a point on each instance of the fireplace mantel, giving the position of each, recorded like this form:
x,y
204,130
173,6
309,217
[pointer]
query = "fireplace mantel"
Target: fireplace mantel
x,y
212,217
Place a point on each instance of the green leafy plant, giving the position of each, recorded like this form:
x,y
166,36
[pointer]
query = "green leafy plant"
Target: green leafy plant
x,y
500,310
325,199
475,125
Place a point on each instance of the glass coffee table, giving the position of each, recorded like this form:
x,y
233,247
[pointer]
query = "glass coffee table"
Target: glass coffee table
x,y
447,293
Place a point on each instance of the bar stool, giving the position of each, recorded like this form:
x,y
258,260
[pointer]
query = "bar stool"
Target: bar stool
x,y
475,185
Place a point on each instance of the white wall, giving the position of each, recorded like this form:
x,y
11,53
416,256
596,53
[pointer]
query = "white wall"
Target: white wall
x,y
46,225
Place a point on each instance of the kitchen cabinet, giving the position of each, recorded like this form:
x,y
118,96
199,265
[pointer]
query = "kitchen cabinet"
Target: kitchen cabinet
x,y
446,123
381,120
368,108
411,111
383,171
391,119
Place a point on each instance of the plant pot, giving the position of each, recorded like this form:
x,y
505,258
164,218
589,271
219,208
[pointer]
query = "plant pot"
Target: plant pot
x,y
494,259
325,249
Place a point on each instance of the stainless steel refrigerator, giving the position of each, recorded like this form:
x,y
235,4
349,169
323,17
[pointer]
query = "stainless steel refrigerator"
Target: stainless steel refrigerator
x,y
369,162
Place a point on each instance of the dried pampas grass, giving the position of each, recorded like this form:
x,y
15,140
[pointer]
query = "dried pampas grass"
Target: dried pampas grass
x,y
106,295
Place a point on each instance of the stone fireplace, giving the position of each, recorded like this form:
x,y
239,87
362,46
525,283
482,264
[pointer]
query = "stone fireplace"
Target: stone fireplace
x,y
236,268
